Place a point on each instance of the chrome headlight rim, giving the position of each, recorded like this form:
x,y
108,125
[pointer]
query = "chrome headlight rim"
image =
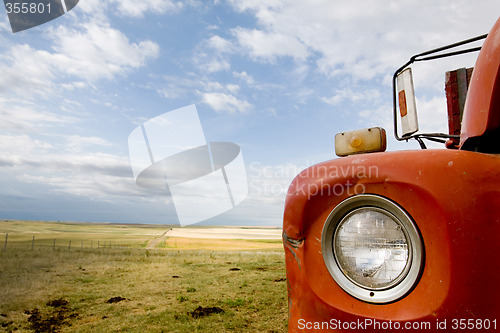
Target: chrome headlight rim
x,y
405,282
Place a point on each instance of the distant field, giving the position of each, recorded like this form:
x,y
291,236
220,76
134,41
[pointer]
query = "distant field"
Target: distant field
x,y
143,280
20,234
93,235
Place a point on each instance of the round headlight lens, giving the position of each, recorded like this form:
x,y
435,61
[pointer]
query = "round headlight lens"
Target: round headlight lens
x,y
371,248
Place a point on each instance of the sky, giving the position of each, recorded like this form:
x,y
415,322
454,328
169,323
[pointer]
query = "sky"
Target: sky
x,y
278,78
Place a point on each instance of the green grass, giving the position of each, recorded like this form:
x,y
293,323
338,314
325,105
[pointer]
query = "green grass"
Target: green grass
x,y
159,289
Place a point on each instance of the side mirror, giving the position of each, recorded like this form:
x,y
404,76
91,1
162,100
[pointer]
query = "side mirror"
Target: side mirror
x,y
368,140
407,105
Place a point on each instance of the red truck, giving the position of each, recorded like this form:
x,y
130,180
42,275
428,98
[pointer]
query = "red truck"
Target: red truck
x,y
381,241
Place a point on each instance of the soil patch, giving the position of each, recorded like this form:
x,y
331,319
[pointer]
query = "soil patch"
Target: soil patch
x,y
116,299
202,312
51,320
57,303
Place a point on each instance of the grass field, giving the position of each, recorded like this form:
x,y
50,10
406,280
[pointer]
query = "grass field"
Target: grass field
x,y
172,287
96,235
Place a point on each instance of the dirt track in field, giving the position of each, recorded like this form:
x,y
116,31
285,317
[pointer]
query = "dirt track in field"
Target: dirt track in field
x,y
153,243
227,233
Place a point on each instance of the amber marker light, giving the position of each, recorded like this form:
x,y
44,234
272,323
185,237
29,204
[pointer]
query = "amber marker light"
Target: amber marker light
x,y
360,141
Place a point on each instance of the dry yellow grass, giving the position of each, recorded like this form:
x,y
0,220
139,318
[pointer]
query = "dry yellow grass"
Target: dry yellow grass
x,y
155,290
159,290
93,235
182,243
20,234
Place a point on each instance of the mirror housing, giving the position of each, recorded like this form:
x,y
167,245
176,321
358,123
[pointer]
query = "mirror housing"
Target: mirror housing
x,y
368,140
407,104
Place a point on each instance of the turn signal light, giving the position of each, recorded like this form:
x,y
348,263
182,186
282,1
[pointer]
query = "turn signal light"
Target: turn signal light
x,y
360,141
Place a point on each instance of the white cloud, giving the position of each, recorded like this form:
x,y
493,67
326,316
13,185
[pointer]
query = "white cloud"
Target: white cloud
x,y
100,187
359,96
178,87
99,51
74,85
23,150
68,168
90,53
258,5
220,44
33,150
432,114
4,26
172,87
216,65
360,43
212,54
221,98
233,88
270,45
78,143
27,71
244,76
139,8
93,6
222,102
17,148
26,116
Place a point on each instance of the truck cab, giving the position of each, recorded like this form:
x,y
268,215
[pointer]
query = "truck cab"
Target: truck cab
x,y
402,239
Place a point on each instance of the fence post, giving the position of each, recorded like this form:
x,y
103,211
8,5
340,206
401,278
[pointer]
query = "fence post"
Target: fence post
x,y
33,243
5,246
69,246
54,244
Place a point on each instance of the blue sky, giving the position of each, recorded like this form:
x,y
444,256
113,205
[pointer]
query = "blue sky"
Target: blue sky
x,y
279,78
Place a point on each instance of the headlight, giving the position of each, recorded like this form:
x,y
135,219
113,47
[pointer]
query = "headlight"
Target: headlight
x,y
372,248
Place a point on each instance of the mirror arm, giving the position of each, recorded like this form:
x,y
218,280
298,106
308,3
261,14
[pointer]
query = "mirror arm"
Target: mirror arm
x,y
420,142
424,57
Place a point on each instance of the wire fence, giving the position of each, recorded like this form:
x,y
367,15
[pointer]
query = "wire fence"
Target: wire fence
x,y
33,243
